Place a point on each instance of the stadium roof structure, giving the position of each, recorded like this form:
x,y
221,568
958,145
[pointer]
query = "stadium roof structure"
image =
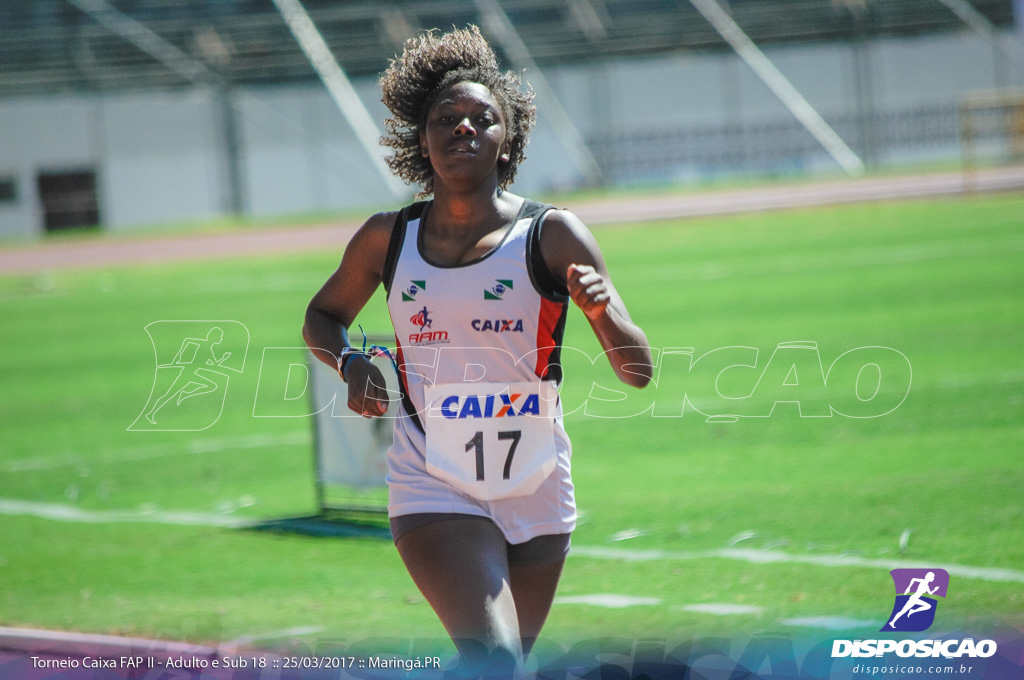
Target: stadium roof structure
x,y
50,46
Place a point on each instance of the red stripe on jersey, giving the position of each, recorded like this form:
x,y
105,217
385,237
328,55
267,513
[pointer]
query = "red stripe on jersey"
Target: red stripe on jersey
x,y
400,369
399,359
410,408
547,322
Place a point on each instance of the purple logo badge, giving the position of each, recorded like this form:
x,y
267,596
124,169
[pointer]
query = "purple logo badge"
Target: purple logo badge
x,y
914,610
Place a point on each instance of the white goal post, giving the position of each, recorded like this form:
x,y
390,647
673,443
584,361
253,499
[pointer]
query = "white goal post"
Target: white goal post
x,y
350,451
991,129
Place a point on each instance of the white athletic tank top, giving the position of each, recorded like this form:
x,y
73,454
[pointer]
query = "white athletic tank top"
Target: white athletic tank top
x,y
498,319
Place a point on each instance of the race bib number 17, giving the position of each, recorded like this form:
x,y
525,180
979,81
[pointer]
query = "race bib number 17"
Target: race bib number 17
x,y
491,440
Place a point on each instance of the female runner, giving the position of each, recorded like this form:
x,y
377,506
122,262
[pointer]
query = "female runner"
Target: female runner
x,y
478,279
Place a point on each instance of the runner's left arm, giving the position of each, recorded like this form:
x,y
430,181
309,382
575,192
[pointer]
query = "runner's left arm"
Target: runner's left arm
x,y
573,256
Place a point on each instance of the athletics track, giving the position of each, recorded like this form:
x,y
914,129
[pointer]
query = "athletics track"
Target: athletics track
x,y
138,248
18,647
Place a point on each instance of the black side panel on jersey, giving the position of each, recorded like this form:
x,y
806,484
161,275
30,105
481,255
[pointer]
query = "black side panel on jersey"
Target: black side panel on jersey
x,y
411,212
554,368
540,274
410,409
407,213
394,248
545,283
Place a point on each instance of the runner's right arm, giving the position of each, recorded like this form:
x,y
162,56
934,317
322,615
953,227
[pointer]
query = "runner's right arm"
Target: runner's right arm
x,y
333,309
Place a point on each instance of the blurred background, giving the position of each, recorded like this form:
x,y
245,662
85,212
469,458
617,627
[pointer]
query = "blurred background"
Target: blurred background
x,y
130,113
221,122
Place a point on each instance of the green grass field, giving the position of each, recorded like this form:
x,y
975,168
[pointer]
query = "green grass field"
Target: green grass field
x,y
939,281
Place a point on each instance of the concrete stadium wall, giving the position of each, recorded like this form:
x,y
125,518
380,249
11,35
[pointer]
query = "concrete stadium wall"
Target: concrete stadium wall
x,y
162,157
155,155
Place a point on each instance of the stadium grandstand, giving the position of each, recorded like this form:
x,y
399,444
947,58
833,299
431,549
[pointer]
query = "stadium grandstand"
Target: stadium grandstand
x,y
59,45
128,113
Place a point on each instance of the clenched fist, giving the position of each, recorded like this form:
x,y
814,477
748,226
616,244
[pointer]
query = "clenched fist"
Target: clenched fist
x,y
588,289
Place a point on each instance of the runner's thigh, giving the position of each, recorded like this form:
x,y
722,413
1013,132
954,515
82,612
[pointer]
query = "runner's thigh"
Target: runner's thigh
x,y
460,564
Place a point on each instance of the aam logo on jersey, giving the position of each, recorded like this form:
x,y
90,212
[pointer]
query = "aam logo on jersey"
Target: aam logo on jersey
x,y
427,334
490,406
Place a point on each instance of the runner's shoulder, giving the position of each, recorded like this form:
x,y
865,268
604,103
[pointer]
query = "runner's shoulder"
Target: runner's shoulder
x,y
381,223
375,232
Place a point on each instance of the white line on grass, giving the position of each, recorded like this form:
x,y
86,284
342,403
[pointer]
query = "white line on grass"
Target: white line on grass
x,y
777,556
830,622
608,600
849,259
252,441
67,513
137,453
721,609
69,643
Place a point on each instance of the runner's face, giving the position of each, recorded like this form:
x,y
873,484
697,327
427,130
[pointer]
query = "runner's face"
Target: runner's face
x,y
465,135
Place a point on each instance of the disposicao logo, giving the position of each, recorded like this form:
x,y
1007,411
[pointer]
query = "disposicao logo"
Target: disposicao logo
x,y
913,612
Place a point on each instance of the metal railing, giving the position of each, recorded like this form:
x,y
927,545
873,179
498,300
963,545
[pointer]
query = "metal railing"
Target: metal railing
x,y
775,146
